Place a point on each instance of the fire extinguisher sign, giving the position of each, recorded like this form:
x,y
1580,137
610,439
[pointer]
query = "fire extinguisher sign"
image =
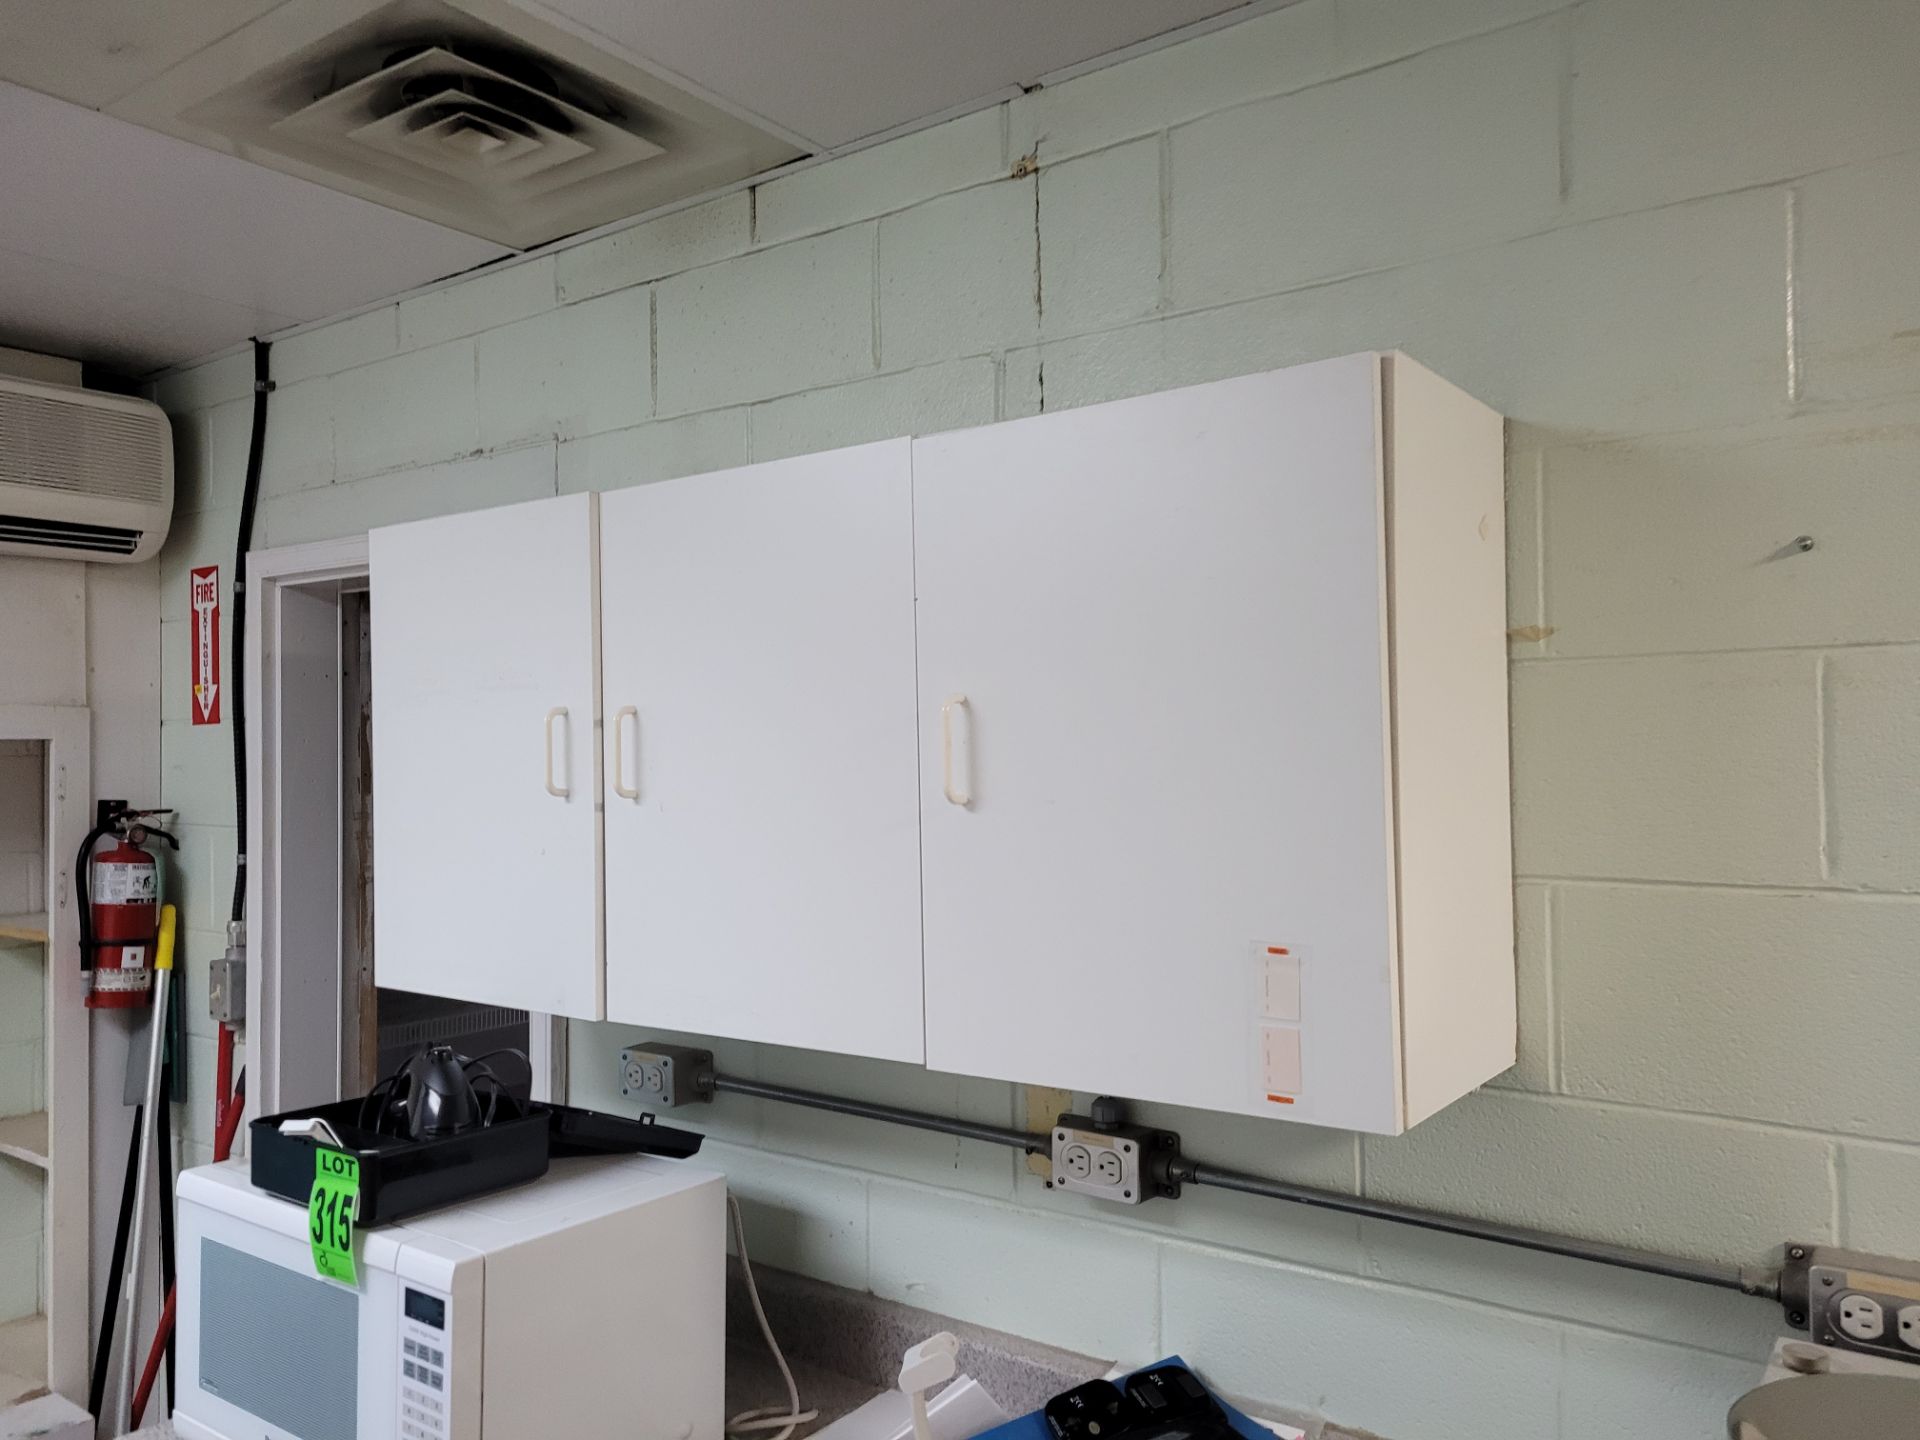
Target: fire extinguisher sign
x,y
206,645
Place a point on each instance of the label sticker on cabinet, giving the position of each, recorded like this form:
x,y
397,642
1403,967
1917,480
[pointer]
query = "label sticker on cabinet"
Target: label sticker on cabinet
x,y
1280,1063
1274,1064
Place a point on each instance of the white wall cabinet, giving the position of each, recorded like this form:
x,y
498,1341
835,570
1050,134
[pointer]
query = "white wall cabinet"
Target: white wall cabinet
x,y
1162,677
762,804
486,766
1157,748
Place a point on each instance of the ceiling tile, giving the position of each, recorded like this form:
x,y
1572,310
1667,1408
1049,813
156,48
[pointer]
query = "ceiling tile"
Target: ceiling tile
x,y
118,210
836,71
99,192
95,56
133,326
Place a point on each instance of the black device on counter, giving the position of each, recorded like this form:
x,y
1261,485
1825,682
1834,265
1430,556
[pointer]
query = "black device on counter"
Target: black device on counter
x,y
438,1131
1165,1403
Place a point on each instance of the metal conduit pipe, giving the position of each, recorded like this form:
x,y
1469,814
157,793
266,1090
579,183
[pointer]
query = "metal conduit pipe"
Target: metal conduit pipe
x,y
1762,1284
891,1114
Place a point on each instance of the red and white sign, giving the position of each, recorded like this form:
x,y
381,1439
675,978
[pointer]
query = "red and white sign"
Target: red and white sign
x,y
206,645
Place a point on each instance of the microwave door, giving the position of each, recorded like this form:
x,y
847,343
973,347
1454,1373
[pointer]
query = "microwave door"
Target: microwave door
x,y
269,1350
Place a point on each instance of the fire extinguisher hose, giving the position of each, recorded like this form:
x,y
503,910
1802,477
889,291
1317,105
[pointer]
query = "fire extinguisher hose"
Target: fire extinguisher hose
x,y
81,866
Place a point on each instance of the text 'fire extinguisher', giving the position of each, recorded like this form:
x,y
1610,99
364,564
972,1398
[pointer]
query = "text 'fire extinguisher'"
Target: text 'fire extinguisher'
x,y
118,892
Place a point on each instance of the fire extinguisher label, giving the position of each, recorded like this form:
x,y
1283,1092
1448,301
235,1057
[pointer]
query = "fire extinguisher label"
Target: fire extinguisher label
x,y
125,884
133,957
133,976
206,644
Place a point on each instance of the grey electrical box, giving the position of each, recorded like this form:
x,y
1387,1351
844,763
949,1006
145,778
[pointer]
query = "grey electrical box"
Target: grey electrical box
x,y
662,1076
227,989
1102,1156
1853,1300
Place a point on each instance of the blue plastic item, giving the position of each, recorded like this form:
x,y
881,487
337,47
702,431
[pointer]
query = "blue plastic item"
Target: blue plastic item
x,y
1033,1425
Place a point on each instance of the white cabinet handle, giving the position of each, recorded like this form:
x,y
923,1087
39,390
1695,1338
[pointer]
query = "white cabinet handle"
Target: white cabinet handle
x,y
620,786
964,794
558,712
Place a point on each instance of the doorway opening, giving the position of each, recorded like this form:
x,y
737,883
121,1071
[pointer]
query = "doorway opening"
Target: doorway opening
x,y
319,1027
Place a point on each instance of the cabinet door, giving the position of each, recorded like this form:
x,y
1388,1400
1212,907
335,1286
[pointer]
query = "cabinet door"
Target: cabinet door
x,y
485,763
1163,794
763,863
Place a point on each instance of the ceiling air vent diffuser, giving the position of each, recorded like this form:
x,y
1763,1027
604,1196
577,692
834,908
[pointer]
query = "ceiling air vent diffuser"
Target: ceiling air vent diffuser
x,y
471,113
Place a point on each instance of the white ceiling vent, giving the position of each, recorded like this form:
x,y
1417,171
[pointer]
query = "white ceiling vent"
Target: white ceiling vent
x,y
470,113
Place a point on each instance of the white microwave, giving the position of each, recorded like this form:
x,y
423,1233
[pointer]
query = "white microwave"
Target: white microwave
x,y
588,1303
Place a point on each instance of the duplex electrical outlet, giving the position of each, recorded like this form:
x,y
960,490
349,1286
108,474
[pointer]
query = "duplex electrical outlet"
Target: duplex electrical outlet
x,y
1861,1317
1907,1325
1125,1164
1854,1301
660,1077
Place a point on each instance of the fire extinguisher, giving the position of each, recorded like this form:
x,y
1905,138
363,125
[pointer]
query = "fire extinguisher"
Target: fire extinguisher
x,y
119,907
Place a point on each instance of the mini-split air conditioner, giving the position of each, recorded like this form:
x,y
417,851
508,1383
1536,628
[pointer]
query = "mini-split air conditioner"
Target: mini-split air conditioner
x,y
83,475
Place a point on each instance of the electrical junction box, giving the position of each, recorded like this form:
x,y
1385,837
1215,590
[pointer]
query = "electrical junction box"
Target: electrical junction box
x,y
1854,1301
1125,1164
664,1076
227,989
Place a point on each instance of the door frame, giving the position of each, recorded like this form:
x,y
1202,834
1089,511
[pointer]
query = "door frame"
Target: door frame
x,y
295,749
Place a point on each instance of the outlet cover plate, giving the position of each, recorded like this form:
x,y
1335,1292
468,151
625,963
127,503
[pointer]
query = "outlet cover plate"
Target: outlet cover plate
x,y
1819,1279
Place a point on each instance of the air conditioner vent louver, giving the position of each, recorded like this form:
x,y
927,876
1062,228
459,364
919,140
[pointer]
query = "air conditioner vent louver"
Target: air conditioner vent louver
x,y
55,444
82,474
65,535
472,113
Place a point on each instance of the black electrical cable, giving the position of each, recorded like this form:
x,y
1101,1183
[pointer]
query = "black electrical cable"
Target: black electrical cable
x,y
1763,1285
236,665
165,1161
103,1347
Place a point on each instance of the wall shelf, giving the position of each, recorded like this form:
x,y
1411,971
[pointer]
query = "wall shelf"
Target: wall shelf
x,y
23,1358
24,927
24,1137
48,1349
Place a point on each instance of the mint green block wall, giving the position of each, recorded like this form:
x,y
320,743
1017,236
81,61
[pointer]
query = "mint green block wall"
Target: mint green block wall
x,y
1671,243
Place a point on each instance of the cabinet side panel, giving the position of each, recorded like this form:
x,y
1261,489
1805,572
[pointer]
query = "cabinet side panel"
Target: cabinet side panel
x,y
1446,510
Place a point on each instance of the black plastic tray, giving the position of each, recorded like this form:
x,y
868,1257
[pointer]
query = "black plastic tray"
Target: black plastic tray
x,y
399,1178
588,1132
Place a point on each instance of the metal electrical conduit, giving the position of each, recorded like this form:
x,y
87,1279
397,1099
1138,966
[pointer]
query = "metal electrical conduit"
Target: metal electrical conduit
x,y
1763,1284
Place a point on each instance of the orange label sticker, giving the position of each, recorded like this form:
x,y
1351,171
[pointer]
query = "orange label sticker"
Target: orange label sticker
x,y
1281,1099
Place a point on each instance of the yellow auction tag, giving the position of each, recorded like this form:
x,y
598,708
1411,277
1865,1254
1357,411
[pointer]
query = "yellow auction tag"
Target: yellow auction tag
x,y
331,1210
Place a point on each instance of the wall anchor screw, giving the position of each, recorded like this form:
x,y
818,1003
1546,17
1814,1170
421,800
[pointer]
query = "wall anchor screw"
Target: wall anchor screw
x,y
1803,542
1797,1252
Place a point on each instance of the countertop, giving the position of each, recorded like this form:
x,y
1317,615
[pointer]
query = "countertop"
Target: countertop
x,y
752,1381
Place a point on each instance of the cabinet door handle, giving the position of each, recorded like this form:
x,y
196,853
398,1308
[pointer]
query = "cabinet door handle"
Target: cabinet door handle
x,y
962,796
558,712
620,786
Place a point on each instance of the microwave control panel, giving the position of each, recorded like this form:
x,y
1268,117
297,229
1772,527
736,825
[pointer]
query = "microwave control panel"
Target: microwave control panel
x,y
423,1364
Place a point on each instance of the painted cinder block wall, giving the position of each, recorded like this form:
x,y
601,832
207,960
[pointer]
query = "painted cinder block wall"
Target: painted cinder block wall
x,y
1673,241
